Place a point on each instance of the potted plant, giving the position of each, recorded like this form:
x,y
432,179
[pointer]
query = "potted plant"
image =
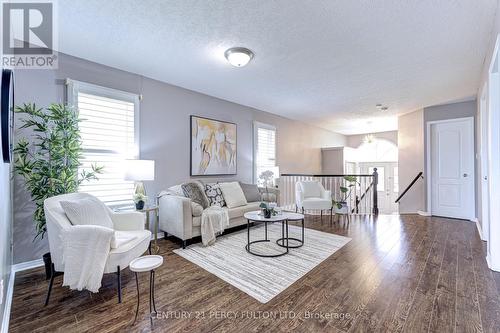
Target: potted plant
x,y
340,205
139,200
267,178
267,210
49,159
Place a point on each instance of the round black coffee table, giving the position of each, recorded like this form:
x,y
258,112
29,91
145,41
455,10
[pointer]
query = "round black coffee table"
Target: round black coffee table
x,y
281,241
284,217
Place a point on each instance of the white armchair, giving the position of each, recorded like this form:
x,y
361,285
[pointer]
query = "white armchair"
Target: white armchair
x,y
127,223
311,195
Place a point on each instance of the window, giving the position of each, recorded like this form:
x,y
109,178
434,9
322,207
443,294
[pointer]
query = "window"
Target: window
x,y
396,180
109,133
264,148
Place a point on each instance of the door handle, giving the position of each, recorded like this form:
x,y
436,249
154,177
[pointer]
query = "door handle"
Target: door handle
x,y
465,175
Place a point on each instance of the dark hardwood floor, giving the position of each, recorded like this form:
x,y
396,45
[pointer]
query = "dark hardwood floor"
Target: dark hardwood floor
x,y
398,274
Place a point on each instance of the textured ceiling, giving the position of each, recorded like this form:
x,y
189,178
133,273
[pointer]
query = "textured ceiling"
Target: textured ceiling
x,y
324,62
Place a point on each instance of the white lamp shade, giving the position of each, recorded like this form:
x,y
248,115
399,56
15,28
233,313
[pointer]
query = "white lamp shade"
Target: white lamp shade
x,y
139,170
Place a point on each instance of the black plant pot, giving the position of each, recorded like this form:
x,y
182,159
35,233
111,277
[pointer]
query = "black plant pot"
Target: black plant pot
x,y
47,261
139,205
267,213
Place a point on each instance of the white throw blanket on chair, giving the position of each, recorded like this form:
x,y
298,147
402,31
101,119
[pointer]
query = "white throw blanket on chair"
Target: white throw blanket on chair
x,y
214,220
86,250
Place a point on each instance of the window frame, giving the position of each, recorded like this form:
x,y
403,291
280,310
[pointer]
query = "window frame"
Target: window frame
x,y
256,126
73,87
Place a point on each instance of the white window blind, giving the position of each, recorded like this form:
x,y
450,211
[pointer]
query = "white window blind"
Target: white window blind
x,y
108,131
264,147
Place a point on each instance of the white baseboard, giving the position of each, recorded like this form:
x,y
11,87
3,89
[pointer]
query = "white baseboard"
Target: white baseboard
x,y
423,213
23,266
10,289
8,303
479,229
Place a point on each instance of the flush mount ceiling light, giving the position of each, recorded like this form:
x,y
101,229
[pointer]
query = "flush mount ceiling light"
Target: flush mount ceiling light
x,y
238,56
381,107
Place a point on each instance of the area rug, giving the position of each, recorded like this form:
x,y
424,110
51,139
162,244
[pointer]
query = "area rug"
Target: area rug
x,y
263,278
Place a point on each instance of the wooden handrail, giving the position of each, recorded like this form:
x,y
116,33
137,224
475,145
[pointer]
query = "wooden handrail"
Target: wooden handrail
x,y
420,175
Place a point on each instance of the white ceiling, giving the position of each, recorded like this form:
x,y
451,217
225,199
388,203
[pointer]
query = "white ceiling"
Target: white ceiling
x,y
324,62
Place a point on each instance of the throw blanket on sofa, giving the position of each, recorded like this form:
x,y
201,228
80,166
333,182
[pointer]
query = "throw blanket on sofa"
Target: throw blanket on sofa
x,y
214,220
86,249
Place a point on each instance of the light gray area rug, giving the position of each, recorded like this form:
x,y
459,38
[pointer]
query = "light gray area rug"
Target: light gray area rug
x,y
263,278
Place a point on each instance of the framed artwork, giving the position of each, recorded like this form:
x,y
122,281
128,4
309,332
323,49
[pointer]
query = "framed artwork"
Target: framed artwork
x,y
7,114
213,147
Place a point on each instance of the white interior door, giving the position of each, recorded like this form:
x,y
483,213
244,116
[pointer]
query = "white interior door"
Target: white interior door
x,y
452,168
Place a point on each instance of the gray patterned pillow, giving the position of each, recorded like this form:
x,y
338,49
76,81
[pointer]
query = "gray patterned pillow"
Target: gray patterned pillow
x,y
193,191
214,195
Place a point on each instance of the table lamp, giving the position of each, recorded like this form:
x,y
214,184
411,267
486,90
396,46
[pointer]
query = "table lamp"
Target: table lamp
x,y
139,171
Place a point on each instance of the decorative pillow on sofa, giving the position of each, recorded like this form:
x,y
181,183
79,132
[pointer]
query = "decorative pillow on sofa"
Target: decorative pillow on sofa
x,y
251,192
194,191
196,209
214,195
87,211
233,194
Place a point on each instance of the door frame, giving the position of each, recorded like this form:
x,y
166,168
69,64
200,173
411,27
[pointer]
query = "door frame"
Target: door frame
x,y
484,165
493,241
428,165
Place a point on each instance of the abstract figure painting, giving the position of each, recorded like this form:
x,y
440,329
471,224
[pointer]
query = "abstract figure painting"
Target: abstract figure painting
x,y
213,147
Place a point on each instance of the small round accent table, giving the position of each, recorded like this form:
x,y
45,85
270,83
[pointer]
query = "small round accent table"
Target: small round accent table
x,y
145,264
281,241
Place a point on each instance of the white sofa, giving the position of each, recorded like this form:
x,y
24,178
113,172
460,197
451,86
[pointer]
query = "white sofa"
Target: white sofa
x,y
178,218
119,258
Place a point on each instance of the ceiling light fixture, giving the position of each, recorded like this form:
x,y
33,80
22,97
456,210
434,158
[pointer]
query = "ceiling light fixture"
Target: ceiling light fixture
x,y
369,138
238,56
384,108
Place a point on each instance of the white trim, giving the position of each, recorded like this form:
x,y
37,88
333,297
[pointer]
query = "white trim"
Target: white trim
x,y
483,158
8,303
73,86
428,156
24,266
423,213
10,289
493,160
494,54
479,229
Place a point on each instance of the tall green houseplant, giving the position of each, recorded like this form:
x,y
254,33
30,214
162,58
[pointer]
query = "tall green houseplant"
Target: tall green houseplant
x,y
49,158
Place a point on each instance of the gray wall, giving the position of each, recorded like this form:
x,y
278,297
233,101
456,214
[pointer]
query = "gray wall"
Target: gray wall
x,y
164,132
452,111
332,161
411,161
412,146
5,231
